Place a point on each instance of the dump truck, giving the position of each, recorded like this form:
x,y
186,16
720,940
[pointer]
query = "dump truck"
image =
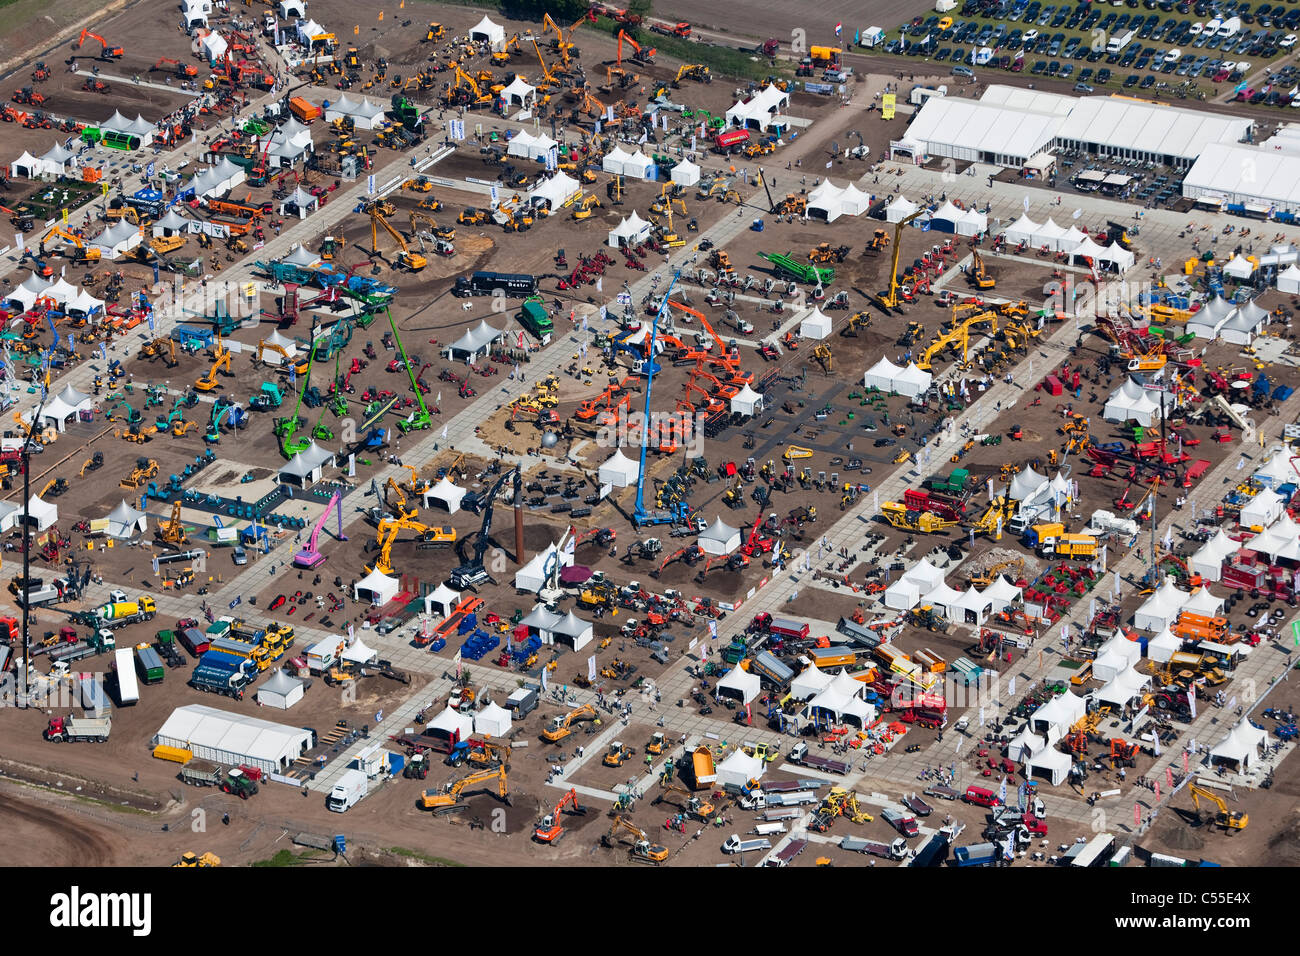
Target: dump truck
x,y
304,109
702,764
64,729
771,669
886,851
120,613
219,673
802,755
201,773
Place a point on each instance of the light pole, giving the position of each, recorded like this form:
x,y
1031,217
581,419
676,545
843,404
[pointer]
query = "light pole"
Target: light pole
x,y
27,550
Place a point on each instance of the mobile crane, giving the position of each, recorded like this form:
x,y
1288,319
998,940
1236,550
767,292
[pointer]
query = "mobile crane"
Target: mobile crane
x,y
550,829
406,259
445,801
416,421
561,726
642,850
1228,819
889,300
470,574
310,556
107,51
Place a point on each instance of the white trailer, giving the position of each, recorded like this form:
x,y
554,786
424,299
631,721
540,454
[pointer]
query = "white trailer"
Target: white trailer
x,y
128,691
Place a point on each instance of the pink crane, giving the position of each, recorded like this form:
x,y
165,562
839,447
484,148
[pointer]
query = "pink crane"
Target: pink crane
x,y
310,557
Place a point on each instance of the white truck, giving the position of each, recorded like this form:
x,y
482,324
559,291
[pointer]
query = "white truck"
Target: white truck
x,y
734,844
348,791
762,799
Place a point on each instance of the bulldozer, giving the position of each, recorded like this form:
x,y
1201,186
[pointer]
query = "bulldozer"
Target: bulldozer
x,y
145,468
472,217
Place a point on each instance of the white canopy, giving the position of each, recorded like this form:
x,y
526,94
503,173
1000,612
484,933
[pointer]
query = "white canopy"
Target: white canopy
x,y
532,576
1088,249
903,595
639,166
1131,402
619,471
738,769
280,691
444,495
173,223
299,203
842,701
360,653
1163,646
1240,746
521,144
815,325
451,725
758,111
126,522
487,31
441,600
881,375
719,538
519,92
555,191
376,588
900,209
118,238
1022,230
1263,509
946,217
572,630
810,682
612,161
746,402
493,721
1025,484
301,256
1051,764
1160,610
1239,267
629,232
1025,745
1002,593
291,9
1289,280
1204,603
912,381
214,46
1114,657
41,513
56,412
1208,559
824,202
230,738
740,685
687,173
854,201
475,340
1057,716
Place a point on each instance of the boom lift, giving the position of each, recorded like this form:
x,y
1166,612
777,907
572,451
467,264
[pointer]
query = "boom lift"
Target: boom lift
x,y
446,800
1228,819
642,850
416,421
561,726
285,428
310,556
470,574
889,300
550,829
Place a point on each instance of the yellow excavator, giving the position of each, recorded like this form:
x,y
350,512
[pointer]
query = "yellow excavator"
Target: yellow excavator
x,y
642,850
439,232
582,208
191,859
389,528
979,276
172,531
692,71
445,800
406,259
82,253
561,726
889,299
959,335
982,579
1223,817
219,364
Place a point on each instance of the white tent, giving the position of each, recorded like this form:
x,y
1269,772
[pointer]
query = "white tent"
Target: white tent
x,y
629,232
301,256
639,166
1243,325
299,203
1263,509
824,202
340,108
1131,402
56,412
475,340
532,577
1025,745
1239,267
842,701
687,173
810,682
555,191
1275,469
854,201
881,375
521,144
975,606
119,238
612,161
1002,594
946,599
572,630
485,31
1088,249
900,209
171,224
231,739
441,600
360,653
912,382
946,217
281,691
1025,484
1163,646
194,13
376,588
126,522
738,769
291,9
719,538
450,726
40,513
739,684
746,402
619,471
903,595
444,495
26,293
815,325
519,92
1204,603
1057,716
1160,610
213,47
1022,230
1289,280
492,721
759,111
1114,657
1208,559
1240,747
1050,764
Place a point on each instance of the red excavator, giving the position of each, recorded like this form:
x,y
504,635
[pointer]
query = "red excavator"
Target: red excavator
x,y
107,51
550,830
179,68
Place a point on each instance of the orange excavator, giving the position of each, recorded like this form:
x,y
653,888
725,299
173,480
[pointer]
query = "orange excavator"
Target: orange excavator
x,y
639,54
107,51
550,830
179,68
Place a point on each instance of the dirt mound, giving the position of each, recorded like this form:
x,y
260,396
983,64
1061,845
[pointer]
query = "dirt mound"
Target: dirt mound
x,y
1177,835
1285,843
